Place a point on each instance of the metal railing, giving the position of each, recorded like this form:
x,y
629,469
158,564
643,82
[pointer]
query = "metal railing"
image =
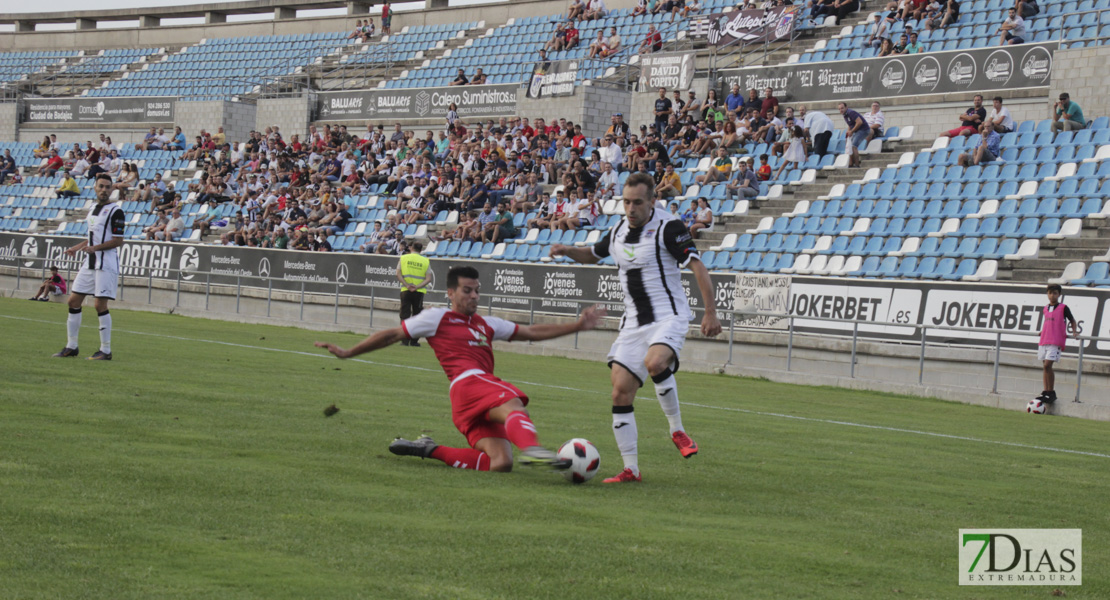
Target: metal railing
x,y
1063,33
374,292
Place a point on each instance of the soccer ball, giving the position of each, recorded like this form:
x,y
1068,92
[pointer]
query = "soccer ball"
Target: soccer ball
x,y
584,458
1035,406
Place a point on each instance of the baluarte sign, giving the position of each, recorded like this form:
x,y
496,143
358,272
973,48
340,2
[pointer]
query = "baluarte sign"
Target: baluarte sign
x,y
979,70
752,26
418,103
885,309
98,110
671,71
553,78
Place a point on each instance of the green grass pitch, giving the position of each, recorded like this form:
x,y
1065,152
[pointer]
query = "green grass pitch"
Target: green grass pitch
x,y
198,464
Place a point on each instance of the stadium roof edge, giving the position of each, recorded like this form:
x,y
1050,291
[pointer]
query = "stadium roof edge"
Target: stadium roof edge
x,y
211,11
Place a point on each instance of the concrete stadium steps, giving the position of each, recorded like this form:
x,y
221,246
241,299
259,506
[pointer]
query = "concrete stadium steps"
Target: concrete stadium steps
x,y
1055,255
333,75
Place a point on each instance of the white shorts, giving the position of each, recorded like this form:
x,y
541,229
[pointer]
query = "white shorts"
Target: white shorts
x,y
96,283
58,291
632,343
1048,353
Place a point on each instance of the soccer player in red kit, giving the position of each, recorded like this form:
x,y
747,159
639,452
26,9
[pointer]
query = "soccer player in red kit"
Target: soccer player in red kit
x,y
488,411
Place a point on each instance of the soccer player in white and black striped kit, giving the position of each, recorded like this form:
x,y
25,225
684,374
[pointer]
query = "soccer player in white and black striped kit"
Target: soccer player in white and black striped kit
x,y
650,247
99,274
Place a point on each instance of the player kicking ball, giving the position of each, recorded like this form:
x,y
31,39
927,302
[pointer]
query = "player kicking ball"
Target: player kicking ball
x,y
99,274
489,412
650,247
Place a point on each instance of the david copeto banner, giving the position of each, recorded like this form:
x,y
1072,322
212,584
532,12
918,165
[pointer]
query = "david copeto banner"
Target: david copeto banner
x,y
752,26
671,71
980,70
553,78
418,103
886,309
98,110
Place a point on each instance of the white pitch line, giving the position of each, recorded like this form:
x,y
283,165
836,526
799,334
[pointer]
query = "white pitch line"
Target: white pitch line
x,y
560,387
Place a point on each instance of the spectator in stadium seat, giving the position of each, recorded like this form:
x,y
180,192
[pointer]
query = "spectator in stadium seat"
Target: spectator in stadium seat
x,y
598,45
479,79
1027,8
999,117
175,226
1066,115
595,9
886,49
1012,30
903,43
576,10
7,166
987,150
703,218
150,138
387,17
744,182
178,141
970,120
641,8
43,151
818,128
914,46
357,32
52,165
880,31
670,185
572,36
719,170
68,187
857,132
951,15
460,79
612,44
653,42
838,8
876,121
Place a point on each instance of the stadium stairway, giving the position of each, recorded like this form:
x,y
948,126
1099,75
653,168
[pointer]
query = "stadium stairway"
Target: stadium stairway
x,y
334,74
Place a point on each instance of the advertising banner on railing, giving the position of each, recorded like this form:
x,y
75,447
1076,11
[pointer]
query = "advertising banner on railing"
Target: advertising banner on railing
x,y
553,78
980,70
98,110
417,103
884,309
671,71
752,26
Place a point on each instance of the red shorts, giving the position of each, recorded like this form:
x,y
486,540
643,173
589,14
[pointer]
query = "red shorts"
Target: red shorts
x,y
471,400
971,129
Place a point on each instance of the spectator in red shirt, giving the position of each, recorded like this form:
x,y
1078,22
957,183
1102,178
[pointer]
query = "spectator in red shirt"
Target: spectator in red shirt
x,y
652,41
571,34
52,164
770,102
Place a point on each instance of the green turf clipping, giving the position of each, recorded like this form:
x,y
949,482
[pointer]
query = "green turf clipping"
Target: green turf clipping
x,y
189,468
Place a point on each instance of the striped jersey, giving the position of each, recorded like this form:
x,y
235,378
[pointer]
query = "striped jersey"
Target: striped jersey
x,y
650,260
106,222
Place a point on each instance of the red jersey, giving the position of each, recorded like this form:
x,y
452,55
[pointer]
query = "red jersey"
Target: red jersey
x,y
463,345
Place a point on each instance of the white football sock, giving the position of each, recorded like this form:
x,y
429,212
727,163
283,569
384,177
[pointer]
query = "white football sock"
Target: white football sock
x,y
624,429
73,327
105,332
667,393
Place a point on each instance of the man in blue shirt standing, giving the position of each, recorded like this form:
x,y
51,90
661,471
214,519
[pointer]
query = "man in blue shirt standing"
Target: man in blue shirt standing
x,y
734,100
857,132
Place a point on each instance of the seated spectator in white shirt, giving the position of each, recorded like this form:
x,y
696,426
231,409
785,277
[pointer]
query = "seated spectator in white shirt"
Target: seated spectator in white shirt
x,y
999,117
